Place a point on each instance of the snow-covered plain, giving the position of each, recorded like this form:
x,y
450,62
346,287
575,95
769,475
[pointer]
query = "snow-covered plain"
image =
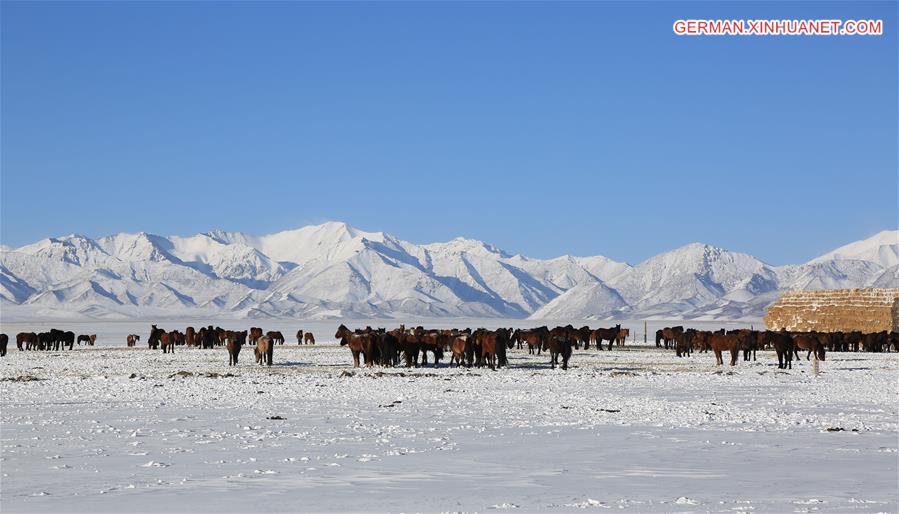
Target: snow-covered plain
x,y
111,429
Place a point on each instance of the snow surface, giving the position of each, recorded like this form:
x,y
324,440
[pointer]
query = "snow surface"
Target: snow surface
x,y
111,429
333,270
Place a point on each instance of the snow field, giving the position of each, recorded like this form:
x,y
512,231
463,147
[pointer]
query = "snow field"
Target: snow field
x,y
115,429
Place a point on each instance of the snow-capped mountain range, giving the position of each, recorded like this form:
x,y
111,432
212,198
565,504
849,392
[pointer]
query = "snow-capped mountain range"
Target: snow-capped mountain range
x,y
333,270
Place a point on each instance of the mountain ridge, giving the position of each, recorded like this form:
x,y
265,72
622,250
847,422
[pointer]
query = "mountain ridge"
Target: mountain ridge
x,y
334,270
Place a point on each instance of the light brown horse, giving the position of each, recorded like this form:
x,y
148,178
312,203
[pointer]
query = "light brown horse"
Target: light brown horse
x,y
458,348
190,337
622,336
264,351
132,339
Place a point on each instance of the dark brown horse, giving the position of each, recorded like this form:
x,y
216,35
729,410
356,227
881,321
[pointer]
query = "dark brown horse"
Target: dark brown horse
x,y
783,346
155,336
190,337
87,339
255,334
235,343
275,336
300,336
308,338
559,344
608,334
28,339
4,341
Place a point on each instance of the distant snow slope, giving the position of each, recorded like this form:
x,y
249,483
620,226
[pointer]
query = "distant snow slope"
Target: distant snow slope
x,y
334,270
881,249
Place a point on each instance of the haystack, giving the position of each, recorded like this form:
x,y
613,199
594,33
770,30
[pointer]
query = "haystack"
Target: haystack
x,y
831,310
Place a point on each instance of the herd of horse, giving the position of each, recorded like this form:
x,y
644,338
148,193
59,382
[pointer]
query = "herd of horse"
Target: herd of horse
x,y
467,347
210,337
54,340
786,344
481,347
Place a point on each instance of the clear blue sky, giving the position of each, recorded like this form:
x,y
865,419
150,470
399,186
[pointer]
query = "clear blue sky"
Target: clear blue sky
x,y
544,128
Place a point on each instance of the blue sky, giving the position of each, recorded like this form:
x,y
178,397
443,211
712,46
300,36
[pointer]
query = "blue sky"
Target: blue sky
x,y
544,128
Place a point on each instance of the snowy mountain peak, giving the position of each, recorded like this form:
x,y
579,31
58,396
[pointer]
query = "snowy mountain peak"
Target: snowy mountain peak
x,y
464,245
881,248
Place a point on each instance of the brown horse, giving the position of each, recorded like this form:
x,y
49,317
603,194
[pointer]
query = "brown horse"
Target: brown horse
x,y
811,343
669,336
721,343
534,338
783,346
87,339
132,339
255,334
685,343
29,339
300,336
876,341
609,334
264,351
458,348
622,336
190,337
359,344
559,344
4,340
235,343
167,341
275,336
308,338
583,336
487,341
